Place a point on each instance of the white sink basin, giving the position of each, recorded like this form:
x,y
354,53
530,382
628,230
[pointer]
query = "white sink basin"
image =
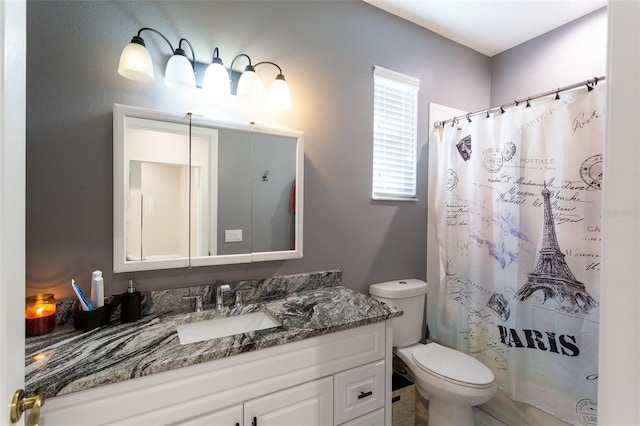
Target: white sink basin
x,y
228,326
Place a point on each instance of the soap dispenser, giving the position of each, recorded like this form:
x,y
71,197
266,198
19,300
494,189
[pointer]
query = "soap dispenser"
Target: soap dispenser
x,y
130,304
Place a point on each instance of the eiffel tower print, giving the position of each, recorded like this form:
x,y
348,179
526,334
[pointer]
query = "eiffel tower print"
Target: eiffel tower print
x,y
552,274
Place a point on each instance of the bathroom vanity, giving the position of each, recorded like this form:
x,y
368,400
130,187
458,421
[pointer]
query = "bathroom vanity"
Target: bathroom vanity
x,y
329,363
337,378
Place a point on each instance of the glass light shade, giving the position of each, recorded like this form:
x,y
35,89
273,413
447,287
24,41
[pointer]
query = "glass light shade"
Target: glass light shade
x,y
216,80
249,85
279,96
135,63
179,73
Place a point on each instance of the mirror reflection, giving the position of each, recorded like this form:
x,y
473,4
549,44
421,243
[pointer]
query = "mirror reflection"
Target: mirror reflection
x,y
192,192
164,180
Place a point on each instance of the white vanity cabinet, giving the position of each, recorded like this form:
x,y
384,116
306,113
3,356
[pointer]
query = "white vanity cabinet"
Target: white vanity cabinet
x,y
337,378
309,404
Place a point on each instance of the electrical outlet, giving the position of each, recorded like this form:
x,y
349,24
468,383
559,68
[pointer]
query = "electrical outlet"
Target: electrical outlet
x,y
233,235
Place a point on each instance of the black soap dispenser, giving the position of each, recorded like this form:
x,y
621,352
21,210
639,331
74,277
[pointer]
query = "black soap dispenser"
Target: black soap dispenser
x,y
130,304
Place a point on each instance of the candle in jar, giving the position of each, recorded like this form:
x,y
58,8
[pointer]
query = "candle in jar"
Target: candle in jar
x,y
40,314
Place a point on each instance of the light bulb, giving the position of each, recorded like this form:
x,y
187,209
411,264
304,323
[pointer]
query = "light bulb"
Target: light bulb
x,y
279,96
216,80
249,84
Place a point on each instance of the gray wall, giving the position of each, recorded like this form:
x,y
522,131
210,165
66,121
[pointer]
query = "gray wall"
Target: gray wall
x,y
327,50
572,53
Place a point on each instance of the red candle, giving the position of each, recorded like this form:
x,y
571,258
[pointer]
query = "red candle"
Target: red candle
x,y
40,314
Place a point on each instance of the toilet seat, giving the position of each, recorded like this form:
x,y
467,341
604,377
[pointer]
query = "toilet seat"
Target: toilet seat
x,y
452,366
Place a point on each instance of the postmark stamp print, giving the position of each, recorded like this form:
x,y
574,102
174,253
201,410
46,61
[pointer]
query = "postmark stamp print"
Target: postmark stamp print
x,y
508,151
591,171
587,412
452,180
492,160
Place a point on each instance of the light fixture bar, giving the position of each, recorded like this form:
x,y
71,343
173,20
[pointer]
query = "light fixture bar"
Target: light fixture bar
x,y
180,73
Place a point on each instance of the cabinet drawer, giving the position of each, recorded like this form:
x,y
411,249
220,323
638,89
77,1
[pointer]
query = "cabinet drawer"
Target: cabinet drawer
x,y
372,419
359,391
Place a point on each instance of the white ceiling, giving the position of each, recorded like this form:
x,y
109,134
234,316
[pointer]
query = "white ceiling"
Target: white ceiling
x,y
489,26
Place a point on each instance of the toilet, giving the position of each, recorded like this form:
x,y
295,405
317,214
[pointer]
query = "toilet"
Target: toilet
x,y
452,381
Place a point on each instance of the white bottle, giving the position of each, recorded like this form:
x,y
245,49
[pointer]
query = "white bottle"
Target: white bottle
x,y
97,289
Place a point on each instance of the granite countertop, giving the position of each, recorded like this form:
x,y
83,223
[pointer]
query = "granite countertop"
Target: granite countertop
x,y
69,361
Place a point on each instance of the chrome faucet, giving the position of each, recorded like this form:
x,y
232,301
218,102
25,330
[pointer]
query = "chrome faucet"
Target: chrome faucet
x,y
198,300
221,289
239,297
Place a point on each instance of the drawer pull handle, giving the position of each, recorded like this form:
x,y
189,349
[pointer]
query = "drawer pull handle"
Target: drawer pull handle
x,y
395,399
364,394
254,422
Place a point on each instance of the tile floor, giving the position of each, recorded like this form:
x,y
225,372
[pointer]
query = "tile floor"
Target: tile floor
x,y
483,419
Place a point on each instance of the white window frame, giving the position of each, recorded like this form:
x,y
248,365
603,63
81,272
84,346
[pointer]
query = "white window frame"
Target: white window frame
x,y
395,135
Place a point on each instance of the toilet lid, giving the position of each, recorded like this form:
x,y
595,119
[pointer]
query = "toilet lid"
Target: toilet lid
x,y
452,365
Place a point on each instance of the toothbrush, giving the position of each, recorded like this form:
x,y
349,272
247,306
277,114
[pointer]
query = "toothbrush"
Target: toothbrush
x,y
84,302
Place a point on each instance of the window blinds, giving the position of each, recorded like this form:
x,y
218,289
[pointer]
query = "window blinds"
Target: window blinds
x,y
395,120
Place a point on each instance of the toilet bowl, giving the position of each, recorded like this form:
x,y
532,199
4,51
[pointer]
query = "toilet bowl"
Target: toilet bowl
x,y
452,381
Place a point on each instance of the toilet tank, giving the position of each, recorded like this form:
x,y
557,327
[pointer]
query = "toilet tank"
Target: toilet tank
x,y
407,296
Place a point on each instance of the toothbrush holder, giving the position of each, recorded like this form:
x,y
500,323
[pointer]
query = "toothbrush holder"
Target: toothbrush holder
x,y
88,320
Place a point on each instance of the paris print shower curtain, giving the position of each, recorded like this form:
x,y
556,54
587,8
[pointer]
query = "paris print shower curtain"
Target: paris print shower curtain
x,y
518,212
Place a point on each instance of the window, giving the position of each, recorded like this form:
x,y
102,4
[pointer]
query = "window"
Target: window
x,y
395,122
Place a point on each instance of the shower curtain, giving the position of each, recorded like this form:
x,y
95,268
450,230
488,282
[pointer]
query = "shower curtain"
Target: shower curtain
x,y
518,212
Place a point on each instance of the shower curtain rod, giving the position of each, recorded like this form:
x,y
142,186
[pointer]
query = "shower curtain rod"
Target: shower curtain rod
x,y
589,83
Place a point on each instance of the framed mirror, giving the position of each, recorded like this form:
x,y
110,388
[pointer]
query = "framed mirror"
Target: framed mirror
x,y
191,191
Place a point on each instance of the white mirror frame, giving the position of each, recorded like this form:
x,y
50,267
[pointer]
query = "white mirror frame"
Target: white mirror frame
x,y
120,183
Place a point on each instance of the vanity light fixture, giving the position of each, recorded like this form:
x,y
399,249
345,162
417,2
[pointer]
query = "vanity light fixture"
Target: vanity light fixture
x,y
136,64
